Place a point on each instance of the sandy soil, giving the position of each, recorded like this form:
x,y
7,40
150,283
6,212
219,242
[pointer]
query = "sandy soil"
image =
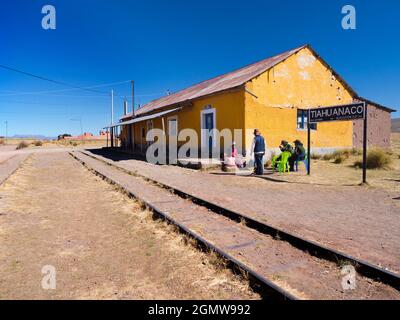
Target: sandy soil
x,y
50,144
300,273
358,220
327,173
102,247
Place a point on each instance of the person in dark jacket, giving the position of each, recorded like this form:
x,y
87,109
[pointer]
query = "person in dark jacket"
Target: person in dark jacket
x,y
299,154
258,149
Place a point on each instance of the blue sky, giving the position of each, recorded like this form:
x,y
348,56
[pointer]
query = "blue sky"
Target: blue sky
x,y
169,45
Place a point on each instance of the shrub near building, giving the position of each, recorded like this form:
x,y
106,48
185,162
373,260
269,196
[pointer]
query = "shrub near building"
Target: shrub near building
x,y
376,159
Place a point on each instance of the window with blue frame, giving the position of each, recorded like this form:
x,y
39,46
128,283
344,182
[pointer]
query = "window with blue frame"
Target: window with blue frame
x,y
302,120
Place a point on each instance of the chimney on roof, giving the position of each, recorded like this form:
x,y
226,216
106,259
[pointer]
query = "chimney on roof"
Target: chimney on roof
x,y
125,107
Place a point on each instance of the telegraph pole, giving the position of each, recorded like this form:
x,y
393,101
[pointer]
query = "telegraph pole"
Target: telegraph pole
x,y
80,122
133,97
112,107
112,119
132,128
6,130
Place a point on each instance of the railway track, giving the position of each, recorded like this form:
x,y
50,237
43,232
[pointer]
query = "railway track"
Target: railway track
x,y
317,257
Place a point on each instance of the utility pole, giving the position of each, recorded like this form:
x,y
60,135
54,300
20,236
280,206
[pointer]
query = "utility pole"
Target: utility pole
x,y
112,119
112,107
6,130
133,97
80,122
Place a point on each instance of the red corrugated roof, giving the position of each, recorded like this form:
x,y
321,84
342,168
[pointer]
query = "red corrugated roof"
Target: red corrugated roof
x,y
232,80
223,82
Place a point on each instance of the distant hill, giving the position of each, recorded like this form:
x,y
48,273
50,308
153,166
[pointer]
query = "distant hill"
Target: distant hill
x,y
396,125
31,136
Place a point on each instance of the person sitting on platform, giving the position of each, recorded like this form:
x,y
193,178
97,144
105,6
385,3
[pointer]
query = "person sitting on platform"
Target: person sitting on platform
x,y
299,154
239,161
285,146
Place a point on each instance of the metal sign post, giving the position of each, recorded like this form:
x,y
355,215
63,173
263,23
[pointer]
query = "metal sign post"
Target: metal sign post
x,y
365,144
344,112
308,143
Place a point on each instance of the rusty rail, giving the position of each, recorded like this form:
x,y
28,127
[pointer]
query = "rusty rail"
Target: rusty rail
x,y
266,288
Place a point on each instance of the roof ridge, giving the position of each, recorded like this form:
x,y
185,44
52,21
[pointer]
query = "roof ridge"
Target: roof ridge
x,y
291,52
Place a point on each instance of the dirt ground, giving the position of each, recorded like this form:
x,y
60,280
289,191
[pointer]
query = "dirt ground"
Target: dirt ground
x,y
301,274
362,221
13,142
344,174
101,247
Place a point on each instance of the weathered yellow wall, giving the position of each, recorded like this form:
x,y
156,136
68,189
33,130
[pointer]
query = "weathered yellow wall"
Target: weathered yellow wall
x,y
301,81
229,114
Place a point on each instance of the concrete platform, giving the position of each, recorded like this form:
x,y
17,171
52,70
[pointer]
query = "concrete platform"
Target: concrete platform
x,y
200,164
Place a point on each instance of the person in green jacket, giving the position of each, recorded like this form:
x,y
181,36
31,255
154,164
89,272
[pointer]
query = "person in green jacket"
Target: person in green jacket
x,y
285,146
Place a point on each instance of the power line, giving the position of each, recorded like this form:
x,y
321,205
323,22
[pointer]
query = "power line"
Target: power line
x,y
74,87
79,96
52,104
53,113
50,80
16,93
56,95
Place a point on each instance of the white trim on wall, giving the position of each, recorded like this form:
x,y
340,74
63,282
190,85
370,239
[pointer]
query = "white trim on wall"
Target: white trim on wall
x,y
150,126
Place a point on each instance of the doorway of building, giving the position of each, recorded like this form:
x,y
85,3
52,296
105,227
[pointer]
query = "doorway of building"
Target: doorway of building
x,y
207,125
173,139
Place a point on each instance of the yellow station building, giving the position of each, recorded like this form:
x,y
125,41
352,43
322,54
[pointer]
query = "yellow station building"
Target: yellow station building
x,y
270,95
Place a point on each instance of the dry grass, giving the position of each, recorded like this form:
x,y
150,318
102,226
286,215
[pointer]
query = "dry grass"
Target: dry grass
x,y
75,143
60,143
37,143
343,172
376,159
315,156
339,156
16,141
22,145
1,141
111,246
339,159
327,157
